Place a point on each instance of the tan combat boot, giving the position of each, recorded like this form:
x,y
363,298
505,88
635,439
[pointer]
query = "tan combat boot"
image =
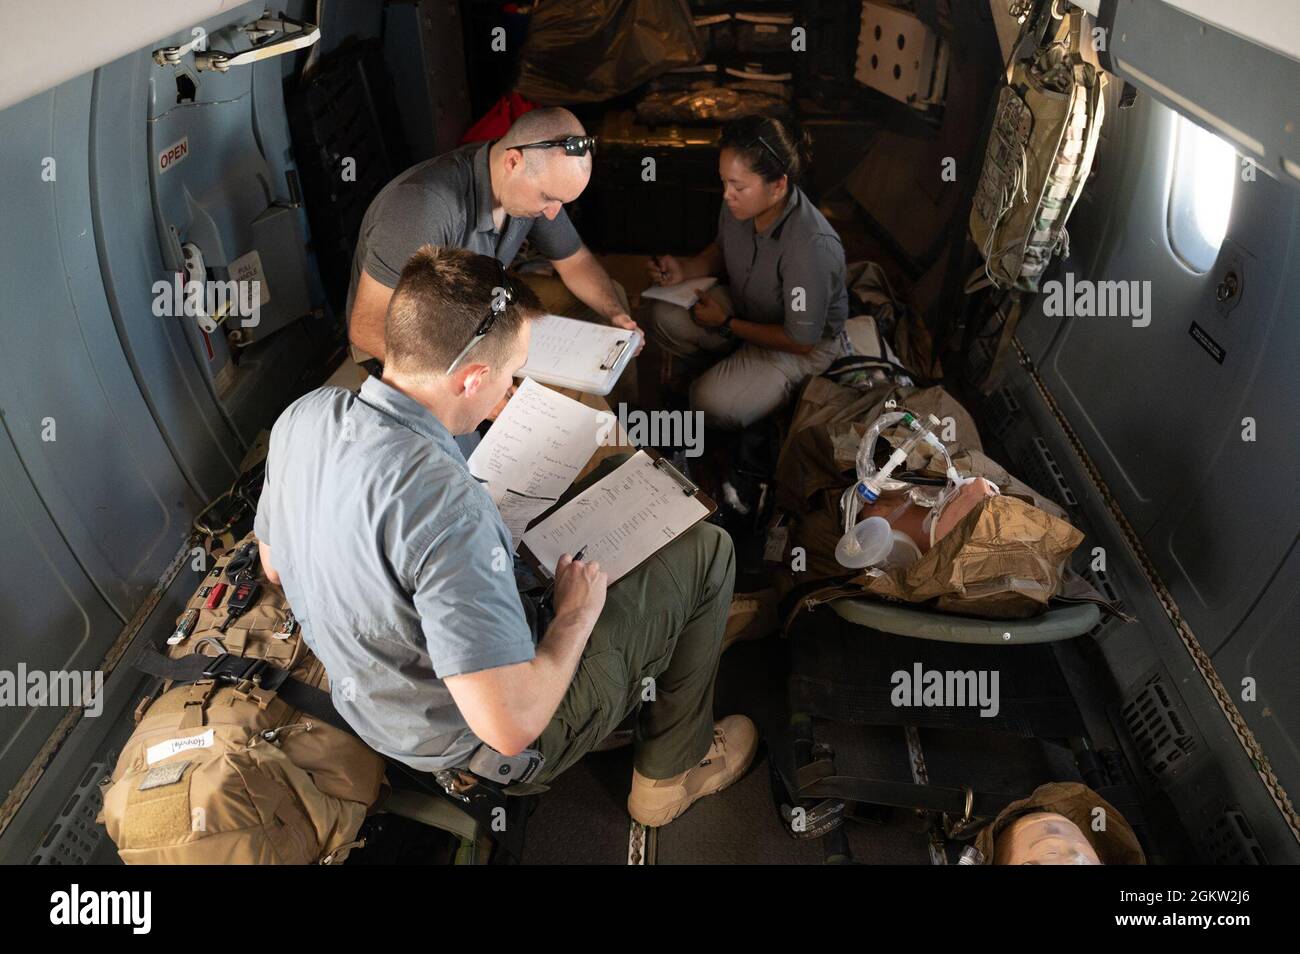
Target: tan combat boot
x,y
656,802
751,616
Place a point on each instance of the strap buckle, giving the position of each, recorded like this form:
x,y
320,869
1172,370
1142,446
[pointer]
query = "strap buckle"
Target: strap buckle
x,y
236,669
962,828
457,783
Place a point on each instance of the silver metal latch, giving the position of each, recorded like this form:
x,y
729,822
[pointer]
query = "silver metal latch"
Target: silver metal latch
x,y
292,35
172,55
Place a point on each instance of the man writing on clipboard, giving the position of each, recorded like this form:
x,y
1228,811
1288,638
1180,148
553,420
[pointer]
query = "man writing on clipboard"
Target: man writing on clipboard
x,y
391,554
488,198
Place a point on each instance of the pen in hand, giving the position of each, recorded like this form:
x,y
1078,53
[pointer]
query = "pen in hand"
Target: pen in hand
x,y
550,587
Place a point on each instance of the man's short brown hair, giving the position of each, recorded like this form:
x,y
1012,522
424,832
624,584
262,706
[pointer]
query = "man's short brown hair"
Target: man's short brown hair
x,y
440,300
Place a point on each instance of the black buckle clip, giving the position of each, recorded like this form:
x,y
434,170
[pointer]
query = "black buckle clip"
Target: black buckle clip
x,y
238,669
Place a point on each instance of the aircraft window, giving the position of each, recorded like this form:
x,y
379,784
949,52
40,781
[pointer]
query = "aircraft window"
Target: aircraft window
x,y
1205,171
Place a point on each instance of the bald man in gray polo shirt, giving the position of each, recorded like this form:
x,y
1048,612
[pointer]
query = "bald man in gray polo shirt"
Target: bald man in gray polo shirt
x,y
397,564
488,198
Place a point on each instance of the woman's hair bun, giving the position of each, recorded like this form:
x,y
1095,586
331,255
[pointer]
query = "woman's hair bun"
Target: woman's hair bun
x,y
771,148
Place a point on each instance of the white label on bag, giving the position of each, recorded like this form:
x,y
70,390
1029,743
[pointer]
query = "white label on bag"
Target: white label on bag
x,y
162,750
774,549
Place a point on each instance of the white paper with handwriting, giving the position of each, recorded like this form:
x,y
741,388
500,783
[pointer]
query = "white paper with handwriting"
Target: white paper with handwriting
x,y
539,442
621,520
582,355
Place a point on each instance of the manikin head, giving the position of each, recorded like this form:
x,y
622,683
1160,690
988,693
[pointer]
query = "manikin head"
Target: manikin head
x,y
1043,838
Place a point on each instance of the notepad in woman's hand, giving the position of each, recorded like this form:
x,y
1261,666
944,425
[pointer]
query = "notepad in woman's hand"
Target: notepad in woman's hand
x,y
683,294
582,355
622,520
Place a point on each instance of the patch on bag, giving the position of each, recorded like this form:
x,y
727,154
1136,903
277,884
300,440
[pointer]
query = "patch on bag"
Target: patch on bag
x,y
156,753
168,774
775,548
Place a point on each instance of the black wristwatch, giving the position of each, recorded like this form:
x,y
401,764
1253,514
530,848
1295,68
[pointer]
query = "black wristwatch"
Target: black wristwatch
x,y
725,327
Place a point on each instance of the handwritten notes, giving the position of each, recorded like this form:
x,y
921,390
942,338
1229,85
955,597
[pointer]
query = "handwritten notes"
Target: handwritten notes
x,y
622,519
576,354
539,443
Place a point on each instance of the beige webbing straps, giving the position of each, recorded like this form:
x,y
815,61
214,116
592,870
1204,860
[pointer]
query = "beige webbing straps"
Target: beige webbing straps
x,y
196,704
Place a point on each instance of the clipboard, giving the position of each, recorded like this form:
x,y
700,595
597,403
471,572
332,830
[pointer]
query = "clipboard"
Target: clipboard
x,y
582,355
661,465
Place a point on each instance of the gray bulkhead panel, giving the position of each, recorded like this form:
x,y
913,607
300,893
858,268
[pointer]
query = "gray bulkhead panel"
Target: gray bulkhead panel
x,y
114,435
220,160
1161,417
160,348
1164,420
54,617
85,435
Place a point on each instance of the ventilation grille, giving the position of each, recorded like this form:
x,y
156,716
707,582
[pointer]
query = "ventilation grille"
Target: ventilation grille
x,y
1100,581
1158,729
1002,412
1054,484
74,836
1231,841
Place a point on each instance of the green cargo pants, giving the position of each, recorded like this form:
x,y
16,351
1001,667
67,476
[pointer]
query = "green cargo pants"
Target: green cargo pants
x,y
657,645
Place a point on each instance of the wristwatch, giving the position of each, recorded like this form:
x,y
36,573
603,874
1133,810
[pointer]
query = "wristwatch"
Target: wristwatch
x,y
725,327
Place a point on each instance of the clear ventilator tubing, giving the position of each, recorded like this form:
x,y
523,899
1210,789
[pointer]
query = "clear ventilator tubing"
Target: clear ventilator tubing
x,y
873,481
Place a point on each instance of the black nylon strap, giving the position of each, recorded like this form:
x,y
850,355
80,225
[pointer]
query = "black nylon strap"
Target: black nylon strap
x,y
314,702
818,779
233,669
223,667
951,801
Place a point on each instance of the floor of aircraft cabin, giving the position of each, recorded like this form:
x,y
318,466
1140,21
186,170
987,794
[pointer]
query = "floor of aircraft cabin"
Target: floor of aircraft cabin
x,y
583,818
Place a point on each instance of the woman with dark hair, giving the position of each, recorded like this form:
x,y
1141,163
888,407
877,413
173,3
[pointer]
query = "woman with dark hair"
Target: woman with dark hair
x,y
777,315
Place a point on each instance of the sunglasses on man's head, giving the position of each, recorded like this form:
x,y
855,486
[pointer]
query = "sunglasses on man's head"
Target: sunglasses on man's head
x,y
502,295
572,145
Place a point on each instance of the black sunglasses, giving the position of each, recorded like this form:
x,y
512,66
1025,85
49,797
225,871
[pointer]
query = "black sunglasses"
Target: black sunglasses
x,y
572,145
502,295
